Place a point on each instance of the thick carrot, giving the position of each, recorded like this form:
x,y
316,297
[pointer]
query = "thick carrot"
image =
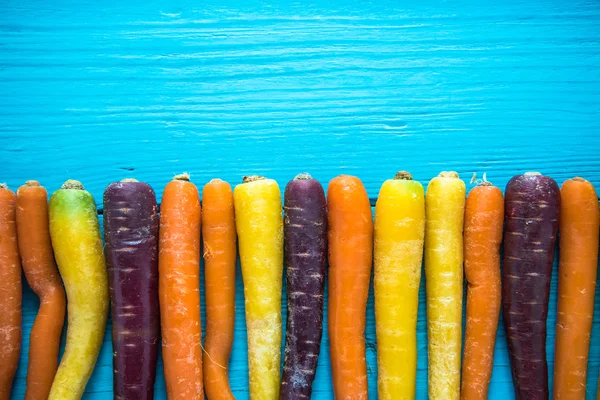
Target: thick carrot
x,y
218,231
305,231
260,234
179,289
77,243
42,275
350,255
484,216
577,269
399,236
531,209
131,237
10,293
445,206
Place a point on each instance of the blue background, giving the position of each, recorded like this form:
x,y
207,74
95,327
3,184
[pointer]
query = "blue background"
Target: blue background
x,y
98,91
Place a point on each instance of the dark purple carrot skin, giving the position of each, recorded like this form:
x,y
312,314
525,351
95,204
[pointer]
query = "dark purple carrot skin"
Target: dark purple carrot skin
x,y
532,204
131,236
305,234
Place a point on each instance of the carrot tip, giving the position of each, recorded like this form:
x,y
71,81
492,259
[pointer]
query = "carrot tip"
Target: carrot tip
x,y
3,186
185,176
304,176
72,184
252,178
32,183
403,175
129,180
448,174
480,182
532,173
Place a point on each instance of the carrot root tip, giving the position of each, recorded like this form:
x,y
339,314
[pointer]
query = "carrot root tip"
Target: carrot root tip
x,y
129,180
403,175
252,178
184,176
32,183
448,174
3,186
304,176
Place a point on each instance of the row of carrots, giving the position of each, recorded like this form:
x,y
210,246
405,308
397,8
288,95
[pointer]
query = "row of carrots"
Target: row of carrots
x,y
148,272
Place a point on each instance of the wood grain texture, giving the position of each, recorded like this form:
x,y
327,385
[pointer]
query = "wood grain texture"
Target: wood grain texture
x,y
98,91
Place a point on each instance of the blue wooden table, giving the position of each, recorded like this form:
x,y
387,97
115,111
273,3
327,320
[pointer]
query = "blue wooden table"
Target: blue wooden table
x,y
98,91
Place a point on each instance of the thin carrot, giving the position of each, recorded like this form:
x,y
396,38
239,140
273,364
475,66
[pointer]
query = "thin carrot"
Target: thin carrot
x,y
577,269
179,289
10,292
218,231
399,236
42,275
350,234
259,226
484,216
445,206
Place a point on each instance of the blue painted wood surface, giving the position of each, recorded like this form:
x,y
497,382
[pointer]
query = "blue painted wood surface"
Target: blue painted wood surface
x,y
99,91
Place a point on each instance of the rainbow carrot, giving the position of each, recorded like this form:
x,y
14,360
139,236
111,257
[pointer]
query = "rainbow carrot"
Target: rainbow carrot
x,y
41,272
399,236
260,234
445,205
179,289
350,255
484,216
10,293
77,243
218,230
577,269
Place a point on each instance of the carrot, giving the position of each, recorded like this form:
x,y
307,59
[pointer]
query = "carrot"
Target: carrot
x,y
305,234
218,230
179,288
532,206
35,248
484,216
445,205
10,293
577,269
77,243
131,237
399,236
260,233
350,256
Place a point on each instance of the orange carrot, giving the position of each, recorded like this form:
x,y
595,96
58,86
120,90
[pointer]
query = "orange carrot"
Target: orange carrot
x,y
10,293
42,275
179,289
577,269
350,254
218,230
484,216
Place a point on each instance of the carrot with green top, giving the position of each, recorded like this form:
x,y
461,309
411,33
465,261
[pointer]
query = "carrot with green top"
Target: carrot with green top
x,y
260,233
399,236
179,288
484,217
35,248
77,243
577,270
10,292
218,231
445,206
350,255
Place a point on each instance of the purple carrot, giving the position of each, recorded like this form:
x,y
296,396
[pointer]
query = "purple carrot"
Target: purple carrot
x,y
305,230
131,236
532,204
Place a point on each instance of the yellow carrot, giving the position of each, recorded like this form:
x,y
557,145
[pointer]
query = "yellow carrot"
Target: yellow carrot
x,y
259,226
445,206
399,235
77,243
